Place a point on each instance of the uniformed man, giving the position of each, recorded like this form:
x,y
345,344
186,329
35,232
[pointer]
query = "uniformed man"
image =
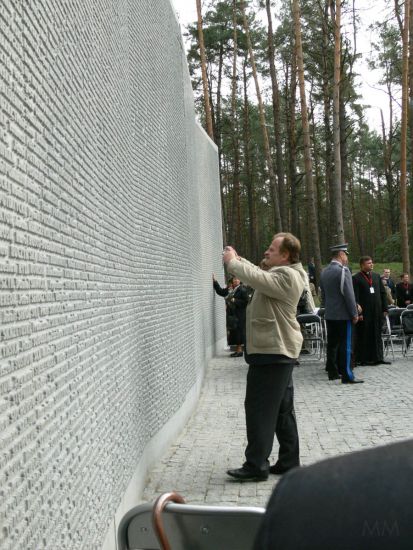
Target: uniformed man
x,y
337,296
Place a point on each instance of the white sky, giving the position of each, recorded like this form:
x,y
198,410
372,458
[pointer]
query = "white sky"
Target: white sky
x,y
369,11
186,10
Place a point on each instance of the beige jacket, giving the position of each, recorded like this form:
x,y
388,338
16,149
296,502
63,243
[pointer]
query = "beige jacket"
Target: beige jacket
x,y
272,327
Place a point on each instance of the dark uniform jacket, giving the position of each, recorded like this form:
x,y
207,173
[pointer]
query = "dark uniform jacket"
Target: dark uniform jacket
x,y
337,294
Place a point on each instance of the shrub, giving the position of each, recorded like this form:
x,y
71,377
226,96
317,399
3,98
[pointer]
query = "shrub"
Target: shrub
x,y
390,250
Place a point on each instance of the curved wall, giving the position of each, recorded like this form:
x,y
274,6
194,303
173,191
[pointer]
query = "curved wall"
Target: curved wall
x,y
109,231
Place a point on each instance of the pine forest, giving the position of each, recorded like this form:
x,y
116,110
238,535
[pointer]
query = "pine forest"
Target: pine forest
x,y
277,87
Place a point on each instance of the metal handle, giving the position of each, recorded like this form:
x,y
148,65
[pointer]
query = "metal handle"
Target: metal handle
x,y
158,508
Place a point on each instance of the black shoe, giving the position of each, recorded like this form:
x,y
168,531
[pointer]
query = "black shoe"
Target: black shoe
x,y
242,474
237,354
383,362
354,381
279,470
334,376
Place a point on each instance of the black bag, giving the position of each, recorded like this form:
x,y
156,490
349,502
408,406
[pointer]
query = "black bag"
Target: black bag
x,y
303,305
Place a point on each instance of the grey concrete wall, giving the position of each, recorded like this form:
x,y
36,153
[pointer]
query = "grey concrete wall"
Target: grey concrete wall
x,y
109,231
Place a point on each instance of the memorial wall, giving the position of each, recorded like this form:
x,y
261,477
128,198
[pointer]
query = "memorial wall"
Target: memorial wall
x,y
110,228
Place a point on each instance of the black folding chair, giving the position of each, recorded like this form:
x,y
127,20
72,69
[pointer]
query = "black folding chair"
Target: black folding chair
x,y
406,321
392,330
313,331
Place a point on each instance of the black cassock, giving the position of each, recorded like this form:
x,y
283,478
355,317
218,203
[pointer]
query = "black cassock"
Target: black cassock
x,y
236,304
369,344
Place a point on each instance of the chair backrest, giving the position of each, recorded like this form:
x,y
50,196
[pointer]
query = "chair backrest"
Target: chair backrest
x,y
406,319
386,327
394,315
191,527
307,318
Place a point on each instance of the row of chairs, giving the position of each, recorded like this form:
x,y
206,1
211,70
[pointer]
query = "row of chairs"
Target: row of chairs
x,y
314,331
397,330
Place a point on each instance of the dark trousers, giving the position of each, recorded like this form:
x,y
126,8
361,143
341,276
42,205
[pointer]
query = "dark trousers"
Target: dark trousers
x,y
339,348
269,409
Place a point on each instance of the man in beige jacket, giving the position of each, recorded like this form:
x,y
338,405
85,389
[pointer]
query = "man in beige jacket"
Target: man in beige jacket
x,y
273,344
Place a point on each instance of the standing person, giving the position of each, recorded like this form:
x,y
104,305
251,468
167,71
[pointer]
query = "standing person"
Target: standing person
x,y
272,346
390,283
389,296
372,305
236,298
337,297
312,272
404,291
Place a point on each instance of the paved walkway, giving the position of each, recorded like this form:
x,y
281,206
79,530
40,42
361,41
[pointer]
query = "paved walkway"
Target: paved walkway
x,y
332,419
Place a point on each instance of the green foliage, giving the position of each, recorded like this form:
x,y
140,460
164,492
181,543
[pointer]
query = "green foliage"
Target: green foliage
x,y
370,162
387,52
390,249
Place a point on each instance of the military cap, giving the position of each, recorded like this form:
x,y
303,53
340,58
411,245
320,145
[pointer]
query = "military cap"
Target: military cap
x,y
339,247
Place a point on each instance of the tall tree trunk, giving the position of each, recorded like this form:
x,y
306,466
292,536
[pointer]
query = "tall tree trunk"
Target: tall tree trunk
x,y
317,181
411,84
355,224
327,100
337,196
277,120
208,117
270,168
292,145
344,129
217,129
236,202
311,209
382,229
251,195
217,132
388,170
403,142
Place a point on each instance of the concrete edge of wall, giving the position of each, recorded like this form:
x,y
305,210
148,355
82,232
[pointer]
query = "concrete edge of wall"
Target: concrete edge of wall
x,y
206,135
154,450
176,18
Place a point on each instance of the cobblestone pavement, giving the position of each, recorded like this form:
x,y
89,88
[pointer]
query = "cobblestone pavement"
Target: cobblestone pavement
x,y
332,419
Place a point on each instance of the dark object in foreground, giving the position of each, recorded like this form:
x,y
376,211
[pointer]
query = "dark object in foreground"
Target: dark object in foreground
x,y
359,501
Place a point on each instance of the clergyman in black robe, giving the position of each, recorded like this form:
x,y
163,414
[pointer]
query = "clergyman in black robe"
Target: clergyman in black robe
x,y
371,297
